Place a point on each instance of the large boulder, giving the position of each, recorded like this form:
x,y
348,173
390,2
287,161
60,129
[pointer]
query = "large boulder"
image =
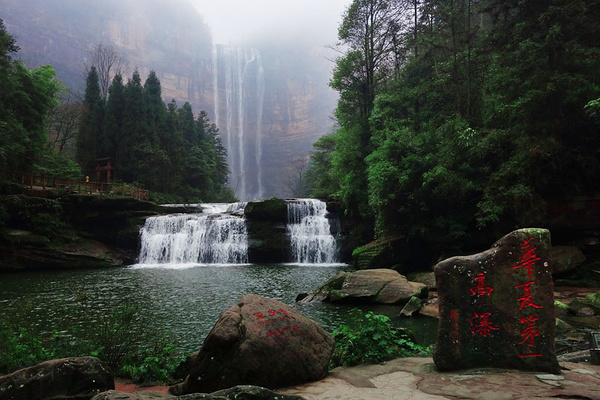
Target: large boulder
x,y
260,342
384,286
565,258
497,307
66,378
381,253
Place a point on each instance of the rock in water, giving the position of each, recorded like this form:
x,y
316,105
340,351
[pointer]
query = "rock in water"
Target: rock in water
x,y
383,286
65,378
497,307
260,342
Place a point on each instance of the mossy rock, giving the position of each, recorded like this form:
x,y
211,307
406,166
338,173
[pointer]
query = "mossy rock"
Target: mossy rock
x,y
273,209
585,275
382,253
593,300
267,234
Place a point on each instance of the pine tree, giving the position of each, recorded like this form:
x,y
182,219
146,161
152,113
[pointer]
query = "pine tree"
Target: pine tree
x,y
91,124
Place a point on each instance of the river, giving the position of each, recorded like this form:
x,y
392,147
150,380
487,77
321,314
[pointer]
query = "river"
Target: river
x,y
182,302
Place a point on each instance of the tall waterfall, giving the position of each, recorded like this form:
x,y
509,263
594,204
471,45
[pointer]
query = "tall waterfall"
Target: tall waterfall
x,y
310,232
238,90
213,237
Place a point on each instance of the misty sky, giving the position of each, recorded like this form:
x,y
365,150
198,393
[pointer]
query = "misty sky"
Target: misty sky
x,y
235,21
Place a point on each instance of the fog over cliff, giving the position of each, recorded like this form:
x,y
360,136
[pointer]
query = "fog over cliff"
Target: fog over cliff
x,y
265,83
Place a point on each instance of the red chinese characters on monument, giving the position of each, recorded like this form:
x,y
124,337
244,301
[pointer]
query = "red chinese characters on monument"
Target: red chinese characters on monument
x,y
481,323
526,300
454,332
481,289
530,331
528,258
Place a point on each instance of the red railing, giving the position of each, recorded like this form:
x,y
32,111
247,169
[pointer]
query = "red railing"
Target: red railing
x,y
44,182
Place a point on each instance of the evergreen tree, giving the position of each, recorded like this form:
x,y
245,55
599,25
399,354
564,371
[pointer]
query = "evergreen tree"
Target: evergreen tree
x,y
90,132
135,149
113,119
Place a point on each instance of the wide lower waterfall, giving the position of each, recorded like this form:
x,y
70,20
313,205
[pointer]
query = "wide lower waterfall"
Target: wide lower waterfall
x,y
311,240
217,236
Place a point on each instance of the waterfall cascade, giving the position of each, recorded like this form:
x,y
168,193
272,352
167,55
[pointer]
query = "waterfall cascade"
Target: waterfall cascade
x,y
218,235
310,233
213,237
239,90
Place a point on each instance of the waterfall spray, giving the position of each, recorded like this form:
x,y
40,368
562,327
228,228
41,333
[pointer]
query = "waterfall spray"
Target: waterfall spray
x,y
215,237
310,233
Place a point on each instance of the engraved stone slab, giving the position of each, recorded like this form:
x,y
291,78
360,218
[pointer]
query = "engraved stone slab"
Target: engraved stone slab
x,y
497,307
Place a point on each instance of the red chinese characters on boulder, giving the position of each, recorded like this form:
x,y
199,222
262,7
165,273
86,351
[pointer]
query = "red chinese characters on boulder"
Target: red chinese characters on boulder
x,y
272,316
290,330
276,317
530,331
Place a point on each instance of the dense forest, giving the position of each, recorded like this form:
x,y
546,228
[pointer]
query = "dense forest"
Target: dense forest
x,y
44,129
162,147
461,120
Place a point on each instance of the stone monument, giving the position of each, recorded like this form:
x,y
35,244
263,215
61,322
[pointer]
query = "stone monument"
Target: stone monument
x,y
497,307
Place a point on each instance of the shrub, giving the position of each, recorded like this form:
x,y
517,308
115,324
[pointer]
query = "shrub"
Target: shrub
x,y
371,338
21,347
154,364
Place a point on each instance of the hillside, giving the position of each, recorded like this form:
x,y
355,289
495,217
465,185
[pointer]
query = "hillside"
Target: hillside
x,y
171,38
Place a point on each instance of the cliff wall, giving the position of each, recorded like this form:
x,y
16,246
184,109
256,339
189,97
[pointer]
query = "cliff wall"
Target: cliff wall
x,y
171,38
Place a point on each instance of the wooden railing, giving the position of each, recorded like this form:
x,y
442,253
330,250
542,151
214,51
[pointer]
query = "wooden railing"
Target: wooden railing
x,y
44,182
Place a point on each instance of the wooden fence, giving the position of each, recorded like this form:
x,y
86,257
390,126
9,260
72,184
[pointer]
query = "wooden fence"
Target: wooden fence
x,y
44,182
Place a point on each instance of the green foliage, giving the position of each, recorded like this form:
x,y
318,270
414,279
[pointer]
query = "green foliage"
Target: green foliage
x,y
28,99
21,347
371,338
592,110
491,117
113,339
163,148
154,364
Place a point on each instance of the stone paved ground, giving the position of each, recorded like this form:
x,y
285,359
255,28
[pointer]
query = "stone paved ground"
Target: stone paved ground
x,y
416,378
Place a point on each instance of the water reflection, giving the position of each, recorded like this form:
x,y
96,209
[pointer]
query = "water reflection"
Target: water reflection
x,y
182,303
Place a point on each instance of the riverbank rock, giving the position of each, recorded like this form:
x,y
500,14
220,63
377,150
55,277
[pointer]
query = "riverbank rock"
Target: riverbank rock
x,y
382,253
565,258
21,250
497,307
260,342
71,231
66,378
384,286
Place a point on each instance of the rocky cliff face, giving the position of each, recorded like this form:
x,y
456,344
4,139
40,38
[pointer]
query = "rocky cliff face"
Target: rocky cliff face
x,y
279,123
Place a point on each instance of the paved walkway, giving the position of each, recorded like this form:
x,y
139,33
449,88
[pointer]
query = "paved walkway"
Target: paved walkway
x,y
416,378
